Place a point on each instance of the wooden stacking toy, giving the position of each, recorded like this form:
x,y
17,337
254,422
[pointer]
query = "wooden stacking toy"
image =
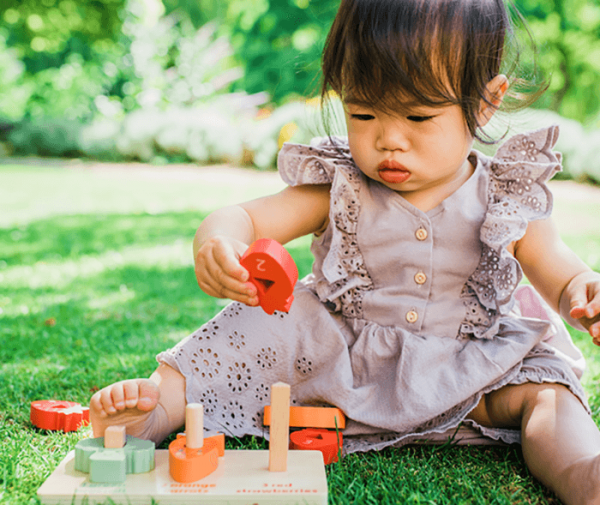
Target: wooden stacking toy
x,y
196,469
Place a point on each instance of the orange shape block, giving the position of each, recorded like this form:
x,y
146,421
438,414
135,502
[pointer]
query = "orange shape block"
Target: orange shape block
x,y
328,442
189,465
219,438
58,415
273,271
312,417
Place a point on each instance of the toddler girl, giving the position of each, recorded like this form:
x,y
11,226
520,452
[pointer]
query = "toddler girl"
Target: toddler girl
x,y
408,321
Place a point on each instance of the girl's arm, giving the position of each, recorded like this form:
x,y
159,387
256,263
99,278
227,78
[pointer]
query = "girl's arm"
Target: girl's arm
x,y
560,276
225,234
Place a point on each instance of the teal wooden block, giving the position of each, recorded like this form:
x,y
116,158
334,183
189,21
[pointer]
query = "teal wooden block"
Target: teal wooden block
x,y
138,455
84,450
108,466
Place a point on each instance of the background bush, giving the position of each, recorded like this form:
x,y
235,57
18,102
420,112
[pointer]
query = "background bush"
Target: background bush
x,y
144,79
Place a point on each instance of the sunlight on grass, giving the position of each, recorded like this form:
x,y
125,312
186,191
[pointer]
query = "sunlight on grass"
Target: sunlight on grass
x,y
123,295
59,274
33,193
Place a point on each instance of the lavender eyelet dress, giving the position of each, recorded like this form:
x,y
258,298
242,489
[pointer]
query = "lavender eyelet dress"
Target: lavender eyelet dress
x,y
407,318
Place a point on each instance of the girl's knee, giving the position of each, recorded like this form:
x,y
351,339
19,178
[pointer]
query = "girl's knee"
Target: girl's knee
x,y
167,376
545,399
506,407
544,393
549,396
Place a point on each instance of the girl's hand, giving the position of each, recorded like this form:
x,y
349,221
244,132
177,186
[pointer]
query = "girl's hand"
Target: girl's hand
x,y
583,292
219,273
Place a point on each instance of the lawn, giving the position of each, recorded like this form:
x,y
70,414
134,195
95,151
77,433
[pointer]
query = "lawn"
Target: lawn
x,y
96,278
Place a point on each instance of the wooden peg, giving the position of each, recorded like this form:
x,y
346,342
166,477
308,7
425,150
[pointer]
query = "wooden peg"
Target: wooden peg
x,y
280,427
194,426
115,437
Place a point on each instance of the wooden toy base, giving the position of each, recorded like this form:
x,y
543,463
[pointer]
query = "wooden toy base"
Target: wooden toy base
x,y
241,478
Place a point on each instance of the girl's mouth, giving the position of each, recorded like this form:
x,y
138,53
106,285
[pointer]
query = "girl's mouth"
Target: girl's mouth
x,y
392,172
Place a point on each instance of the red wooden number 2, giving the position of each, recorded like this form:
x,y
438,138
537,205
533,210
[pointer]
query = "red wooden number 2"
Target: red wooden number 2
x,y
273,271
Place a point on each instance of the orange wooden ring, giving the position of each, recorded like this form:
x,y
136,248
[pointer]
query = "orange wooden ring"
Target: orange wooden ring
x,y
219,438
312,417
327,441
189,465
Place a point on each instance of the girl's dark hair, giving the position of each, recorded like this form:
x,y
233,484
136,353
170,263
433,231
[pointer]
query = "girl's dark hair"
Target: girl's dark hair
x,y
393,53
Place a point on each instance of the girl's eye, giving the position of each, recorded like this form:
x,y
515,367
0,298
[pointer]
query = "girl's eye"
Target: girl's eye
x,y
419,119
362,117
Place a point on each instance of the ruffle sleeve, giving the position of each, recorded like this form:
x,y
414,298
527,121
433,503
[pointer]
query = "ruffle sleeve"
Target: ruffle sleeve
x,y
314,164
517,194
328,160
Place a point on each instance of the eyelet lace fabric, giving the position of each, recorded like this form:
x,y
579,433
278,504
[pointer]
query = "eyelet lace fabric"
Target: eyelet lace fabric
x,y
517,194
395,385
328,160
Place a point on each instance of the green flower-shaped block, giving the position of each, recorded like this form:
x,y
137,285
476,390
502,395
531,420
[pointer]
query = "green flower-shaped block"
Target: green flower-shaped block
x,y
112,465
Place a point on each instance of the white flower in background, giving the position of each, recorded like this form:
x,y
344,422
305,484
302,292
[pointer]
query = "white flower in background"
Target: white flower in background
x,y
137,135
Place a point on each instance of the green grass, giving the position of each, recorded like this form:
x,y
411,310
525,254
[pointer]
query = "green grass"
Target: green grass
x,y
96,278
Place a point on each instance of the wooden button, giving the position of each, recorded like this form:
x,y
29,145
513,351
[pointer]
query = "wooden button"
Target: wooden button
x,y
412,316
421,234
420,278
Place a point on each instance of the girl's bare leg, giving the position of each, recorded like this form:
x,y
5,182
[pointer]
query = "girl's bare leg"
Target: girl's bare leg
x,y
561,443
149,408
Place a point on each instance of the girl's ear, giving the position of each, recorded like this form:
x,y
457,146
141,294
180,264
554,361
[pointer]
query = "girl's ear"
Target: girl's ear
x,y
495,91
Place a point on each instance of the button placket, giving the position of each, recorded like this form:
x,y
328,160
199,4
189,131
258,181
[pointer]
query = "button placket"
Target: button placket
x,y
420,278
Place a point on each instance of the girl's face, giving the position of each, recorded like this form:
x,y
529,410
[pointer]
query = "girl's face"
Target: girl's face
x,y
422,150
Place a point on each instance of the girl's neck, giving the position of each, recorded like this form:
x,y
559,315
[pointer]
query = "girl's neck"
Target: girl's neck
x,y
429,198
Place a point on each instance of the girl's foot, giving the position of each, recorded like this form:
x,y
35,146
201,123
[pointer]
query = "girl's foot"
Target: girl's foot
x,y
131,403
150,409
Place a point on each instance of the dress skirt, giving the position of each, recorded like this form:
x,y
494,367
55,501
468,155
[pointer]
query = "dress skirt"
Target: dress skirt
x,y
394,387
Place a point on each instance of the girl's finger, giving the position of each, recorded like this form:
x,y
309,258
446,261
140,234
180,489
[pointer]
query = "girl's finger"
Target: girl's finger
x,y
223,282
593,306
223,292
227,259
578,302
577,312
594,330
221,285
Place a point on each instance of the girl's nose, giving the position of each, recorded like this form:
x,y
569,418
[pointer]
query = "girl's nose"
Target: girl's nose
x,y
391,136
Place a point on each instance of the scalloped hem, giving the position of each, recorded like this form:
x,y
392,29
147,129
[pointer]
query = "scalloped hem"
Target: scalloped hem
x,y
457,431
464,431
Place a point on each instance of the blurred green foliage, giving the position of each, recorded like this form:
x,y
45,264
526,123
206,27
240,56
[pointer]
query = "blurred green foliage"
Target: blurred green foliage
x,y
69,62
280,43
567,33
72,51
46,32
